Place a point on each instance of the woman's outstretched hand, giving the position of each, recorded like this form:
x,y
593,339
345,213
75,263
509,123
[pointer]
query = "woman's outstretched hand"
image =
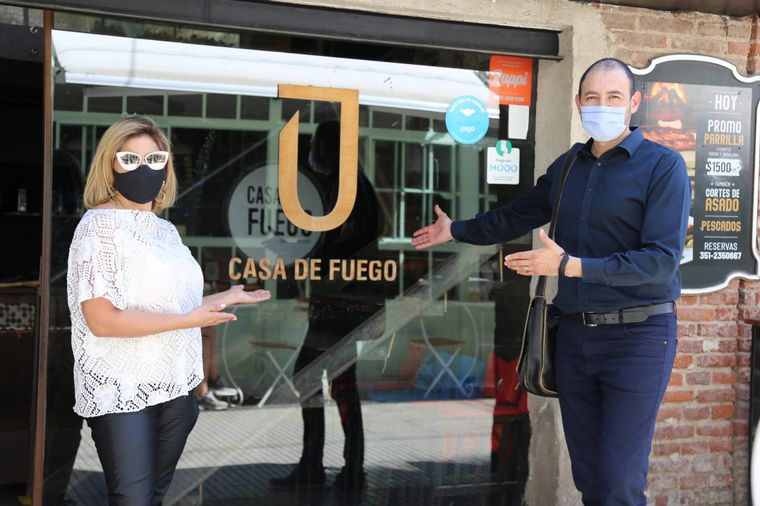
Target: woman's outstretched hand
x,y
211,311
237,295
437,233
208,315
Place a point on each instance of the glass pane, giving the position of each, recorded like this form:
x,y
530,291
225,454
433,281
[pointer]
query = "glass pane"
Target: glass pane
x,y
13,15
21,222
146,105
363,116
185,105
337,369
326,111
289,108
385,164
415,166
387,201
68,97
70,140
382,119
221,106
104,104
63,425
417,123
439,126
413,211
442,173
254,107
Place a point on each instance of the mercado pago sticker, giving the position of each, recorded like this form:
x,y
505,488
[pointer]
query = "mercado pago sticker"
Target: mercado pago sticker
x,y
467,119
258,224
503,164
705,111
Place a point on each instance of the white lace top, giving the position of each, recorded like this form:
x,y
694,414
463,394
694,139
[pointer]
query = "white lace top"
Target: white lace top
x,y
137,261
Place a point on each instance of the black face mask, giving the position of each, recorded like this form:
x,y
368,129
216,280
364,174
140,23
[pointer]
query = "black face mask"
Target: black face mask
x,y
140,185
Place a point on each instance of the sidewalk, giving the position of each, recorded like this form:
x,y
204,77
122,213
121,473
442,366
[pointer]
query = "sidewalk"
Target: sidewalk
x,y
416,453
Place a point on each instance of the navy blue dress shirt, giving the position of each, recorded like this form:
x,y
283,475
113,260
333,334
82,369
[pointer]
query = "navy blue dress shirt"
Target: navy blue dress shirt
x,y
623,214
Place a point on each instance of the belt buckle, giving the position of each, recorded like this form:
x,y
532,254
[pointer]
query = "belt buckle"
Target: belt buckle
x,y
583,316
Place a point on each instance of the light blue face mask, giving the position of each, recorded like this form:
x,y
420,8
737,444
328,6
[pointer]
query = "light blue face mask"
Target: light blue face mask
x,y
602,122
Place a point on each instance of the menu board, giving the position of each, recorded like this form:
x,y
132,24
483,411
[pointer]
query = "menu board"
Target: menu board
x,y
708,116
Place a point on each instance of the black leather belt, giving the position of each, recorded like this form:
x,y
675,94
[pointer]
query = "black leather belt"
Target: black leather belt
x,y
628,315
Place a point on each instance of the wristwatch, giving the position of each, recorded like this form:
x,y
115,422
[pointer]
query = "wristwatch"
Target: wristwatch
x,y
563,263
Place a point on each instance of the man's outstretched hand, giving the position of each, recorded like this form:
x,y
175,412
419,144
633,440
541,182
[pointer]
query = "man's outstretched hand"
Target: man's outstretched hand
x,y
538,262
437,233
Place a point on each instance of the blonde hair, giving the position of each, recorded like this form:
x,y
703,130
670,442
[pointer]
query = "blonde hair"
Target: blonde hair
x,y
99,186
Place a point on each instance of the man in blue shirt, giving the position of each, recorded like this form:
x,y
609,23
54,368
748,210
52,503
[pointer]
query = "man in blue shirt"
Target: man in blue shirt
x,y
620,231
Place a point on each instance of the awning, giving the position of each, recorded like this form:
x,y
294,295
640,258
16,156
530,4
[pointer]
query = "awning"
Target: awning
x,y
104,60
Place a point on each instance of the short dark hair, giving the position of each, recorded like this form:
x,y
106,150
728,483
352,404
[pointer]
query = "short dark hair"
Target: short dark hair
x,y
609,64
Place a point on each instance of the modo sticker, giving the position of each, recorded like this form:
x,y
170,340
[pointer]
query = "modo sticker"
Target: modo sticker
x,y
467,119
503,164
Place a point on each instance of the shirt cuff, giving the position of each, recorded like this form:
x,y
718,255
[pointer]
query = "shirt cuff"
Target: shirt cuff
x,y
457,229
592,270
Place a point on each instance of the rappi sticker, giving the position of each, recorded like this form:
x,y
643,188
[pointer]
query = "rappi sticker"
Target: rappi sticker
x,y
511,78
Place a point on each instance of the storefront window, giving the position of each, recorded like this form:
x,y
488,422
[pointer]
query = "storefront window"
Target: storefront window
x,y
21,222
412,346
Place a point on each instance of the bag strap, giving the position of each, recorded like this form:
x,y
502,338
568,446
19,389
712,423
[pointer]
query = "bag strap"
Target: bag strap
x,y
569,159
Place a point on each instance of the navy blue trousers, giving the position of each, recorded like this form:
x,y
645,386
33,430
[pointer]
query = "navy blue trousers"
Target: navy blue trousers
x,y
139,451
610,381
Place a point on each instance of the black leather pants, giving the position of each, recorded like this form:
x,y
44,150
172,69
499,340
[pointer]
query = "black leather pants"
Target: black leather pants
x,y
139,451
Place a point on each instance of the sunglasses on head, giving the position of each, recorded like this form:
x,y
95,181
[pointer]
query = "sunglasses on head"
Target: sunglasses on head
x,y
130,161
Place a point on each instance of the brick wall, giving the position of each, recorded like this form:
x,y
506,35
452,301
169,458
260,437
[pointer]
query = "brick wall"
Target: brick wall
x,y
753,62
642,34
700,453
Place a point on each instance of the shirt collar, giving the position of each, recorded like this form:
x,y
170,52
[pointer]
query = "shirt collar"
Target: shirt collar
x,y
630,144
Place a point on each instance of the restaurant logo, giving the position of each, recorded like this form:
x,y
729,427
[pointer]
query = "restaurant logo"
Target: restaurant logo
x,y
277,226
257,221
349,154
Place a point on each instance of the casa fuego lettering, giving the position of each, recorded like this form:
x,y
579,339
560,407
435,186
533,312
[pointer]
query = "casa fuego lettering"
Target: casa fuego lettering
x,y
260,223
313,269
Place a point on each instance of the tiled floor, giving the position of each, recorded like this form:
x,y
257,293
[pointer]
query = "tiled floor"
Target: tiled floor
x,y
417,453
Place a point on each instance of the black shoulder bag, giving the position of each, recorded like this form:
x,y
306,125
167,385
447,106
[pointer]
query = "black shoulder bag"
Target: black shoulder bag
x,y
535,368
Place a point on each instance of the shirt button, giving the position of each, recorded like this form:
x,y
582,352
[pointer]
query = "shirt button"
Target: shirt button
x,y
598,164
590,190
583,218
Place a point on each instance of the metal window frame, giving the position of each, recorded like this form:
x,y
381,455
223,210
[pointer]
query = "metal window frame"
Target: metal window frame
x,y
41,365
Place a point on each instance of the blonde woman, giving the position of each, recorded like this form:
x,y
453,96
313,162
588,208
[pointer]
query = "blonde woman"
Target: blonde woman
x,y
135,295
